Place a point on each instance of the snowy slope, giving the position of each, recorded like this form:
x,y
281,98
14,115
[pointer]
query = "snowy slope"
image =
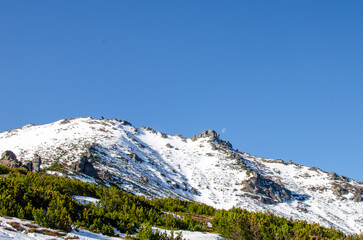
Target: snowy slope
x,y
14,228
203,168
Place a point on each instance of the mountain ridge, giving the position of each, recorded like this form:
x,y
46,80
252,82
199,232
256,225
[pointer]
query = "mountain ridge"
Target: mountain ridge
x,y
202,168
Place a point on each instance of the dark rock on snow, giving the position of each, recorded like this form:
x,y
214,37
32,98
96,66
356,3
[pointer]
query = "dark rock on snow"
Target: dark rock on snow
x,y
85,165
268,191
8,158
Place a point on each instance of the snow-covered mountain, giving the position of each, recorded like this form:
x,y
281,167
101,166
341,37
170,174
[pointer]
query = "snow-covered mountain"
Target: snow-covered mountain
x,y
203,168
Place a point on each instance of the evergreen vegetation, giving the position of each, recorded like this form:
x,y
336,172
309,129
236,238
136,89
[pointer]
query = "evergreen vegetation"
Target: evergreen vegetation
x,y
47,199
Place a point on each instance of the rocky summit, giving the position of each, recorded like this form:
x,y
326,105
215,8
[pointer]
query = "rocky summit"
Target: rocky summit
x,y
203,168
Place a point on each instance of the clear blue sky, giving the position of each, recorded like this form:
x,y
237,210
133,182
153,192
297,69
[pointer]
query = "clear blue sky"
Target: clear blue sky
x,y
283,78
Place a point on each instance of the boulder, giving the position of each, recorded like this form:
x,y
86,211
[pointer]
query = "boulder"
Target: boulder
x,y
134,157
85,165
358,197
36,162
8,158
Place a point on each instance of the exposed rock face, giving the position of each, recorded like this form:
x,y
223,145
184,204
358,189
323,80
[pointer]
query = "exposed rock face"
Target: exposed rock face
x,y
206,133
336,177
36,162
33,165
106,175
339,191
212,134
85,165
194,191
266,190
358,197
8,158
134,157
126,123
149,129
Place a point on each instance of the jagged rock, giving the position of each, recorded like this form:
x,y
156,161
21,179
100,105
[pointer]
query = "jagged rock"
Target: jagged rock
x,y
286,194
36,162
336,177
168,145
85,165
268,190
125,123
206,133
179,135
134,157
358,197
148,129
339,191
313,169
8,158
106,175
214,136
28,165
163,135
175,185
194,191
145,179
33,165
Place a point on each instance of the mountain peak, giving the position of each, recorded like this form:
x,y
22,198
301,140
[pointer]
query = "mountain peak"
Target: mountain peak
x,y
203,168
214,136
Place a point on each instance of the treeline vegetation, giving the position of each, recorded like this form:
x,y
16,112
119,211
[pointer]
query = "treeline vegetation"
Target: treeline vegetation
x,y
47,199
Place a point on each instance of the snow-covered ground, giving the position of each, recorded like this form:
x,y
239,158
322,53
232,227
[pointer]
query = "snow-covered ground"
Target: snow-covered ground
x,y
14,228
192,235
85,199
150,163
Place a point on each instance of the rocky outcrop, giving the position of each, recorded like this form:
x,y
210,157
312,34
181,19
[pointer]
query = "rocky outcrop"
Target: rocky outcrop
x,y
148,129
106,175
265,190
214,136
336,177
339,191
37,161
358,196
85,166
134,157
206,133
8,158
34,164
